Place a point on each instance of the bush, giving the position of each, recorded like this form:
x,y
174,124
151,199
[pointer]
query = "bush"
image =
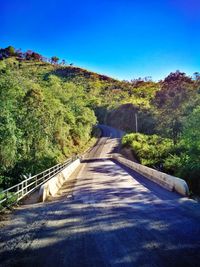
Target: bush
x,y
152,150
11,199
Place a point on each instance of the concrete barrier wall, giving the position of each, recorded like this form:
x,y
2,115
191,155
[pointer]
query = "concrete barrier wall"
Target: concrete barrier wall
x,y
167,181
51,187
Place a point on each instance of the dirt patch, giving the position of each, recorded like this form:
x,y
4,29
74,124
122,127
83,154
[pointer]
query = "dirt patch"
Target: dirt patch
x,y
5,217
31,199
128,154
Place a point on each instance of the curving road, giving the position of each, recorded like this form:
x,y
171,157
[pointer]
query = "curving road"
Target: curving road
x,y
105,215
107,144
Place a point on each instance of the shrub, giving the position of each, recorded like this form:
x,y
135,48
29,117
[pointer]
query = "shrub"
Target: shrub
x,y
150,149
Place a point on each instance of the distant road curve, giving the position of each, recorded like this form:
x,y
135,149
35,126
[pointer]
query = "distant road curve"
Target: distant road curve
x,y
107,144
111,132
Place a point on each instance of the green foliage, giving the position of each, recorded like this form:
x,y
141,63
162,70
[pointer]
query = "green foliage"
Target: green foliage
x,y
47,112
10,50
11,199
182,160
189,167
42,121
173,102
150,149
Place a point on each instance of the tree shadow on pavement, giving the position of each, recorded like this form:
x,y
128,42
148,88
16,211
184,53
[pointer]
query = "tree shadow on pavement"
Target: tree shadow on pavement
x,y
78,234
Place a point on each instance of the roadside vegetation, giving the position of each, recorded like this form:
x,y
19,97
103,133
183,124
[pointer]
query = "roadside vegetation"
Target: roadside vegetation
x,y
48,108
174,146
150,150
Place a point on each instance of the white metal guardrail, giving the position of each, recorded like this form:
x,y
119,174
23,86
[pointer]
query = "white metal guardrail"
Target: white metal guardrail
x,y
27,186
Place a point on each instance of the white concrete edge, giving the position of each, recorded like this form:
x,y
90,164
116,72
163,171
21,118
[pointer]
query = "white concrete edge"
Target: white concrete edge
x,y
51,187
167,181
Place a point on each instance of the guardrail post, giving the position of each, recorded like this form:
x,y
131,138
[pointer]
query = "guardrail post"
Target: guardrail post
x,y
26,184
18,191
6,197
22,188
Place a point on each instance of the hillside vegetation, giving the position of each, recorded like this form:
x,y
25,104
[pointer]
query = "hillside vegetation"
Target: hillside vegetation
x,y
48,109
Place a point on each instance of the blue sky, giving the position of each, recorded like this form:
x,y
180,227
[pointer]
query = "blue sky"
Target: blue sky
x,y
124,39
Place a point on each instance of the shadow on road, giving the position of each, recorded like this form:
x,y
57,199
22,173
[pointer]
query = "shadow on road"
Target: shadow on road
x,y
71,233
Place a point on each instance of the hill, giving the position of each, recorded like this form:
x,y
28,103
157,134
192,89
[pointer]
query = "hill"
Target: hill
x,y
48,110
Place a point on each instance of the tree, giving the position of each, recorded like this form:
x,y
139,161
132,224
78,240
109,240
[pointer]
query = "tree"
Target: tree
x,y
7,52
197,76
171,101
19,53
37,57
63,62
54,60
190,158
10,50
10,111
30,55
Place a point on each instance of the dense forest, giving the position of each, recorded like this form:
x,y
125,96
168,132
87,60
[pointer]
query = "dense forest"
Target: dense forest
x,y
48,109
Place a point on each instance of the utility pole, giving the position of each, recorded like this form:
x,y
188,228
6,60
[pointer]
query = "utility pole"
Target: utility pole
x,y
136,122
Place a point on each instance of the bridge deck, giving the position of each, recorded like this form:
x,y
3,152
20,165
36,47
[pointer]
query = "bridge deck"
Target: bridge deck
x,y
105,215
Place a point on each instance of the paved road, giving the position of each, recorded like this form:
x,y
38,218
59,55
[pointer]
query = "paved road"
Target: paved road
x,y
108,144
105,215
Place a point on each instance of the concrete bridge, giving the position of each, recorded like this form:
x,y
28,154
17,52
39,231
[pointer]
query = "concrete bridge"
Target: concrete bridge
x,y
105,214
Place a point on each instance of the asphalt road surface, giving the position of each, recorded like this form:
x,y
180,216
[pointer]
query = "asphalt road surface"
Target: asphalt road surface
x,y
105,215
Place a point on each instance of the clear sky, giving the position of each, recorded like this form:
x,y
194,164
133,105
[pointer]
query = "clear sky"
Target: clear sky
x,y
124,39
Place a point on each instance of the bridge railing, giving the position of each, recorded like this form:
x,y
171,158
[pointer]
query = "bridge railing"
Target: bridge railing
x,y
30,184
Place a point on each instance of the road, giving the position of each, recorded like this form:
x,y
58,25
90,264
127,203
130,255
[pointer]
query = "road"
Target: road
x,y
105,215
